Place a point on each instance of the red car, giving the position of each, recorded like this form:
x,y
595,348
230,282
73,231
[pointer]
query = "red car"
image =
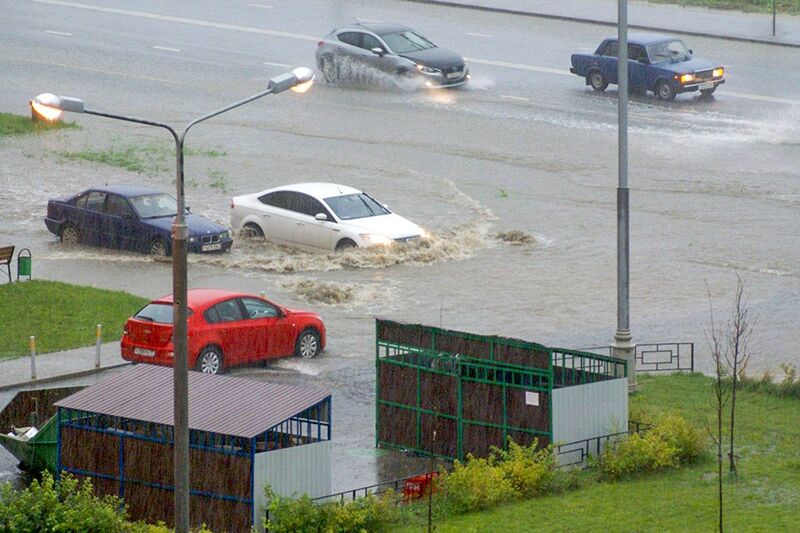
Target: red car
x,y
225,329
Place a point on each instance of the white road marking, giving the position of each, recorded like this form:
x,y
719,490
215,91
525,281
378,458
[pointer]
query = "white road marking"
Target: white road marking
x,y
276,64
182,20
299,36
367,20
511,97
65,34
262,6
757,97
167,48
478,34
517,66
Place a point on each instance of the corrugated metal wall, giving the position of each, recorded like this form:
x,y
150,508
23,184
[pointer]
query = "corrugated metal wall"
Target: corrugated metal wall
x,y
591,410
292,471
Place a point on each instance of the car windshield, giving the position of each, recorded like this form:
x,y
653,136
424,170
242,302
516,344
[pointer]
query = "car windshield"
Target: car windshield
x,y
358,205
159,313
403,42
155,205
668,51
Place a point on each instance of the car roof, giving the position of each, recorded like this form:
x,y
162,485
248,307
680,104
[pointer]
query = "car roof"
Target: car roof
x,y
643,39
317,189
127,191
199,298
381,28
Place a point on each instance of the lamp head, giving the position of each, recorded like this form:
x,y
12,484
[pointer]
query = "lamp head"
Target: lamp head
x,y
305,79
299,80
50,106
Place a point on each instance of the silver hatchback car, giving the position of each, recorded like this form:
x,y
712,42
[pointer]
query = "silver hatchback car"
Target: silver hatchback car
x,y
391,48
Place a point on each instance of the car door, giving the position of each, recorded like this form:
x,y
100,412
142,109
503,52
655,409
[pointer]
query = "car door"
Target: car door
x,y
226,326
271,332
638,65
608,61
119,223
351,47
385,61
92,227
278,217
310,231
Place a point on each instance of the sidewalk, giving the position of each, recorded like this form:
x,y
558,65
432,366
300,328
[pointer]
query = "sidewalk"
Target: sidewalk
x,y
663,18
16,373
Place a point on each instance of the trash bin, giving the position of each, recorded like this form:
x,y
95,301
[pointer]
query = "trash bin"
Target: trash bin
x,y
24,263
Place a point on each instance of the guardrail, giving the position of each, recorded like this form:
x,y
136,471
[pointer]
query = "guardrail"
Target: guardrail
x,y
659,356
578,451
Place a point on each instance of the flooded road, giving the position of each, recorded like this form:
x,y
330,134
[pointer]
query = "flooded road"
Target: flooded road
x,y
714,188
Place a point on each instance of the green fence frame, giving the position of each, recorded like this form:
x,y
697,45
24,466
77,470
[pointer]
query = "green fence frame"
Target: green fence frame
x,y
564,368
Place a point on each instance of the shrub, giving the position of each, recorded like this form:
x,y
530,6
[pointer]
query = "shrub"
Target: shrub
x,y
64,506
669,444
530,472
302,515
474,485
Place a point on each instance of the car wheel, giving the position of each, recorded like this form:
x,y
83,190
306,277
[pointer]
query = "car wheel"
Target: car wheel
x,y
707,92
328,69
252,231
597,81
70,235
664,91
307,345
345,244
210,361
159,248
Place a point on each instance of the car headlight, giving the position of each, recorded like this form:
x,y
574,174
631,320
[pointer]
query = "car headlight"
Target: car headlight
x,y
192,239
223,235
718,72
376,238
686,78
428,70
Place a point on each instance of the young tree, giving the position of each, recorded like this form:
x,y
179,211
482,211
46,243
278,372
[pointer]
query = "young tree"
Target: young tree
x,y
740,329
719,356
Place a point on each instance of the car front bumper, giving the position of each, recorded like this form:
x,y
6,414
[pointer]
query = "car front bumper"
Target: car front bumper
x,y
198,247
441,81
690,87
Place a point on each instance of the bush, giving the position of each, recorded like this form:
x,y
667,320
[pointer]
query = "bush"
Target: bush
x,y
672,442
530,472
65,506
302,515
474,485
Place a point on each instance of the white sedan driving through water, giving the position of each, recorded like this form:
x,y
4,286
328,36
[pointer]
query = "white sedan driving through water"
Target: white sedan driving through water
x,y
320,216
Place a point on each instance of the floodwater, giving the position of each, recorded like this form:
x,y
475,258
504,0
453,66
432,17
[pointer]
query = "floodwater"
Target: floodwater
x,y
515,176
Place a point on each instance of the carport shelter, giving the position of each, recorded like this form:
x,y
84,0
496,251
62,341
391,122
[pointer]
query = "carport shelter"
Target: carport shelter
x,y
243,434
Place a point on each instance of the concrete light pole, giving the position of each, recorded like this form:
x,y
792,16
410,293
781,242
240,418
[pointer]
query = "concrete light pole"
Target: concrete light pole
x,y
51,107
623,347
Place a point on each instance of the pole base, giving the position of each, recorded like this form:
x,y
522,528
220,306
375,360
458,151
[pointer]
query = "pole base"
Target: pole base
x,y
623,348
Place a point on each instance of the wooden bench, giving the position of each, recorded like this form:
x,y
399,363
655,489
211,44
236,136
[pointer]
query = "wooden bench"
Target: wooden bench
x,y
6,255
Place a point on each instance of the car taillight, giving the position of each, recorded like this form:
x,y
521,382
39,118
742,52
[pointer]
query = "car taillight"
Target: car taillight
x,y
125,331
232,204
320,43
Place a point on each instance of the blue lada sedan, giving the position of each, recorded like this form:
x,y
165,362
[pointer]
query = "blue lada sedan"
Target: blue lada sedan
x,y
656,63
129,218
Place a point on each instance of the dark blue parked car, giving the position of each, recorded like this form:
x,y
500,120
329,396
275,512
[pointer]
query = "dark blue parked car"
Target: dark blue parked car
x,y
655,63
130,218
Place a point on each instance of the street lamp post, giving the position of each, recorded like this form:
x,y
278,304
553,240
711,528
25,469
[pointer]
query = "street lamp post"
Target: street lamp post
x,y
50,107
623,347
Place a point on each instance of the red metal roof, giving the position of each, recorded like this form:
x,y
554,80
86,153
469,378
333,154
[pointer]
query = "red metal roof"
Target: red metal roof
x,y
219,404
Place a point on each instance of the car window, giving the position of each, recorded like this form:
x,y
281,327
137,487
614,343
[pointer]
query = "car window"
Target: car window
x,y
160,313
80,201
256,308
403,42
668,51
360,205
350,37
96,201
611,49
276,199
369,42
118,206
227,311
308,205
155,205
637,53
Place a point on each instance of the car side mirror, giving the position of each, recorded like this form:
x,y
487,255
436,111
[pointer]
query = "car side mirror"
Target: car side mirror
x,y
691,52
378,51
321,217
188,209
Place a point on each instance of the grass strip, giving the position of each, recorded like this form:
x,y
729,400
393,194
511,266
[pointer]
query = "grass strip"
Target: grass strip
x,y
59,315
13,125
765,498
791,7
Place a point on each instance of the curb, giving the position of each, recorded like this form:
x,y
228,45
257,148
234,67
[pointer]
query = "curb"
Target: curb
x,y
50,379
567,18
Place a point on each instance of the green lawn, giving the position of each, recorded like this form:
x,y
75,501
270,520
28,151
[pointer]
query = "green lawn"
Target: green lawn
x,y
19,125
61,316
762,6
766,497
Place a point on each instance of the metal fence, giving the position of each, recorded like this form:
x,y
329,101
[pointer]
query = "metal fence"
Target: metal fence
x,y
659,356
576,453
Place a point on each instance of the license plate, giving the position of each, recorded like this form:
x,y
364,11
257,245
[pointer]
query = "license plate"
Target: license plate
x,y
707,85
454,75
212,247
144,352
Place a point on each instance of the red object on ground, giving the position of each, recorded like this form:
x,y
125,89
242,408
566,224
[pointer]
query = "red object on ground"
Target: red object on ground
x,y
235,328
418,486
